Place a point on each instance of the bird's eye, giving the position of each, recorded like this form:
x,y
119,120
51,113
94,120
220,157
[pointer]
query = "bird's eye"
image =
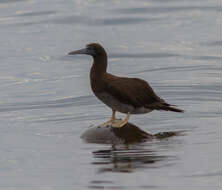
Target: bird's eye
x,y
90,48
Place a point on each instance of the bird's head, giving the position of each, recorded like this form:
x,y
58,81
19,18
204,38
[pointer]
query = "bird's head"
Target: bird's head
x,y
93,49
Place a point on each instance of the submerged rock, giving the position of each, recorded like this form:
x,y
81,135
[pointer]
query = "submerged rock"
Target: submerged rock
x,y
127,134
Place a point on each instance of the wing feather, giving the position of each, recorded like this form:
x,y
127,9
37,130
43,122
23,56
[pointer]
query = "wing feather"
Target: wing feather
x,y
131,91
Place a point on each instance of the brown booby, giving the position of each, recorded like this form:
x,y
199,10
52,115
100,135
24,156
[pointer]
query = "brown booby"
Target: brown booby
x,y
122,94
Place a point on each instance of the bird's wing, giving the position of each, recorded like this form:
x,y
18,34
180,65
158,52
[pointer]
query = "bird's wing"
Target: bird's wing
x,y
132,90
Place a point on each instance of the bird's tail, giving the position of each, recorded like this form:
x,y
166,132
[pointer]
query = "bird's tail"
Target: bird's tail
x,y
166,107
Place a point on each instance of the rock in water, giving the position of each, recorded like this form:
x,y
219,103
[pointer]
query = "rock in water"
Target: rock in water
x,y
127,134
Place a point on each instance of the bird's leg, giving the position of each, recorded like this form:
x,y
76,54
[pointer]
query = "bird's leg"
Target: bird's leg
x,y
111,119
121,123
113,116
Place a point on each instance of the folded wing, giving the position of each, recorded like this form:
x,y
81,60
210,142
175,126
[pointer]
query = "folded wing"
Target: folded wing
x,y
136,92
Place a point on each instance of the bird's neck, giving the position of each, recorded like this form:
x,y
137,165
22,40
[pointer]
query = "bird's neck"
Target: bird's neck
x,y
99,66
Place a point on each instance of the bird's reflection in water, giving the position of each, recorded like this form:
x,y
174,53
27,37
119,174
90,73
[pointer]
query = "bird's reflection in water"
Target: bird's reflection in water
x,y
131,148
125,159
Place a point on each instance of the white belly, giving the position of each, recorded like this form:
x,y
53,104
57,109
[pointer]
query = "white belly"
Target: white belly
x,y
120,107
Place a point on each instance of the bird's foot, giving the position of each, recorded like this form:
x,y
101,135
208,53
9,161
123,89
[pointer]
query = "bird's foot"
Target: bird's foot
x,y
108,123
111,122
118,123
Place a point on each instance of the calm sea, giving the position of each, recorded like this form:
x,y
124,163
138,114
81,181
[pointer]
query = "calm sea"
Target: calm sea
x,y
46,102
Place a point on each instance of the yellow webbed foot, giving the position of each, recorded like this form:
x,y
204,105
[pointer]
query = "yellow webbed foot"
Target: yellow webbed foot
x,y
106,123
110,121
120,123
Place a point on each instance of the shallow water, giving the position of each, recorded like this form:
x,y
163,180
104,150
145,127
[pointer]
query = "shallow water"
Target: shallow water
x,y
46,102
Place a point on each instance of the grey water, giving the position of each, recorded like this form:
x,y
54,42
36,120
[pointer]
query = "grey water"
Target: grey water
x,y
46,102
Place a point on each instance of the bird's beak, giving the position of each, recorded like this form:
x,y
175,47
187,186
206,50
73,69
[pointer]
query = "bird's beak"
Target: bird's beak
x,y
82,51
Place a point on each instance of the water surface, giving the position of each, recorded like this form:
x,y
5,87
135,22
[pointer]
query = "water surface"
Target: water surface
x,y
46,102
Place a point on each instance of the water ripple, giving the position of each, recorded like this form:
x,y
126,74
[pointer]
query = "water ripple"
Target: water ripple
x,y
104,21
215,43
159,9
126,160
143,55
11,1
66,102
39,13
172,69
122,21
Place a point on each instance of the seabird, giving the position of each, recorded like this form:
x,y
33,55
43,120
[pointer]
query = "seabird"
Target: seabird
x,y
122,94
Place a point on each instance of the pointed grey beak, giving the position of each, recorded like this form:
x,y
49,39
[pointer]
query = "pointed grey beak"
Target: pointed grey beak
x,y
87,51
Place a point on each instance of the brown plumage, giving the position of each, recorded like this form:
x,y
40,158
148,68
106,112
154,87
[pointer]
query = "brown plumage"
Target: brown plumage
x,y
126,95
136,91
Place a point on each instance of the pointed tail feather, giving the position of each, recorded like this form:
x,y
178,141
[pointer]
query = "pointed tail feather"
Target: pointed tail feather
x,y
169,108
166,107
